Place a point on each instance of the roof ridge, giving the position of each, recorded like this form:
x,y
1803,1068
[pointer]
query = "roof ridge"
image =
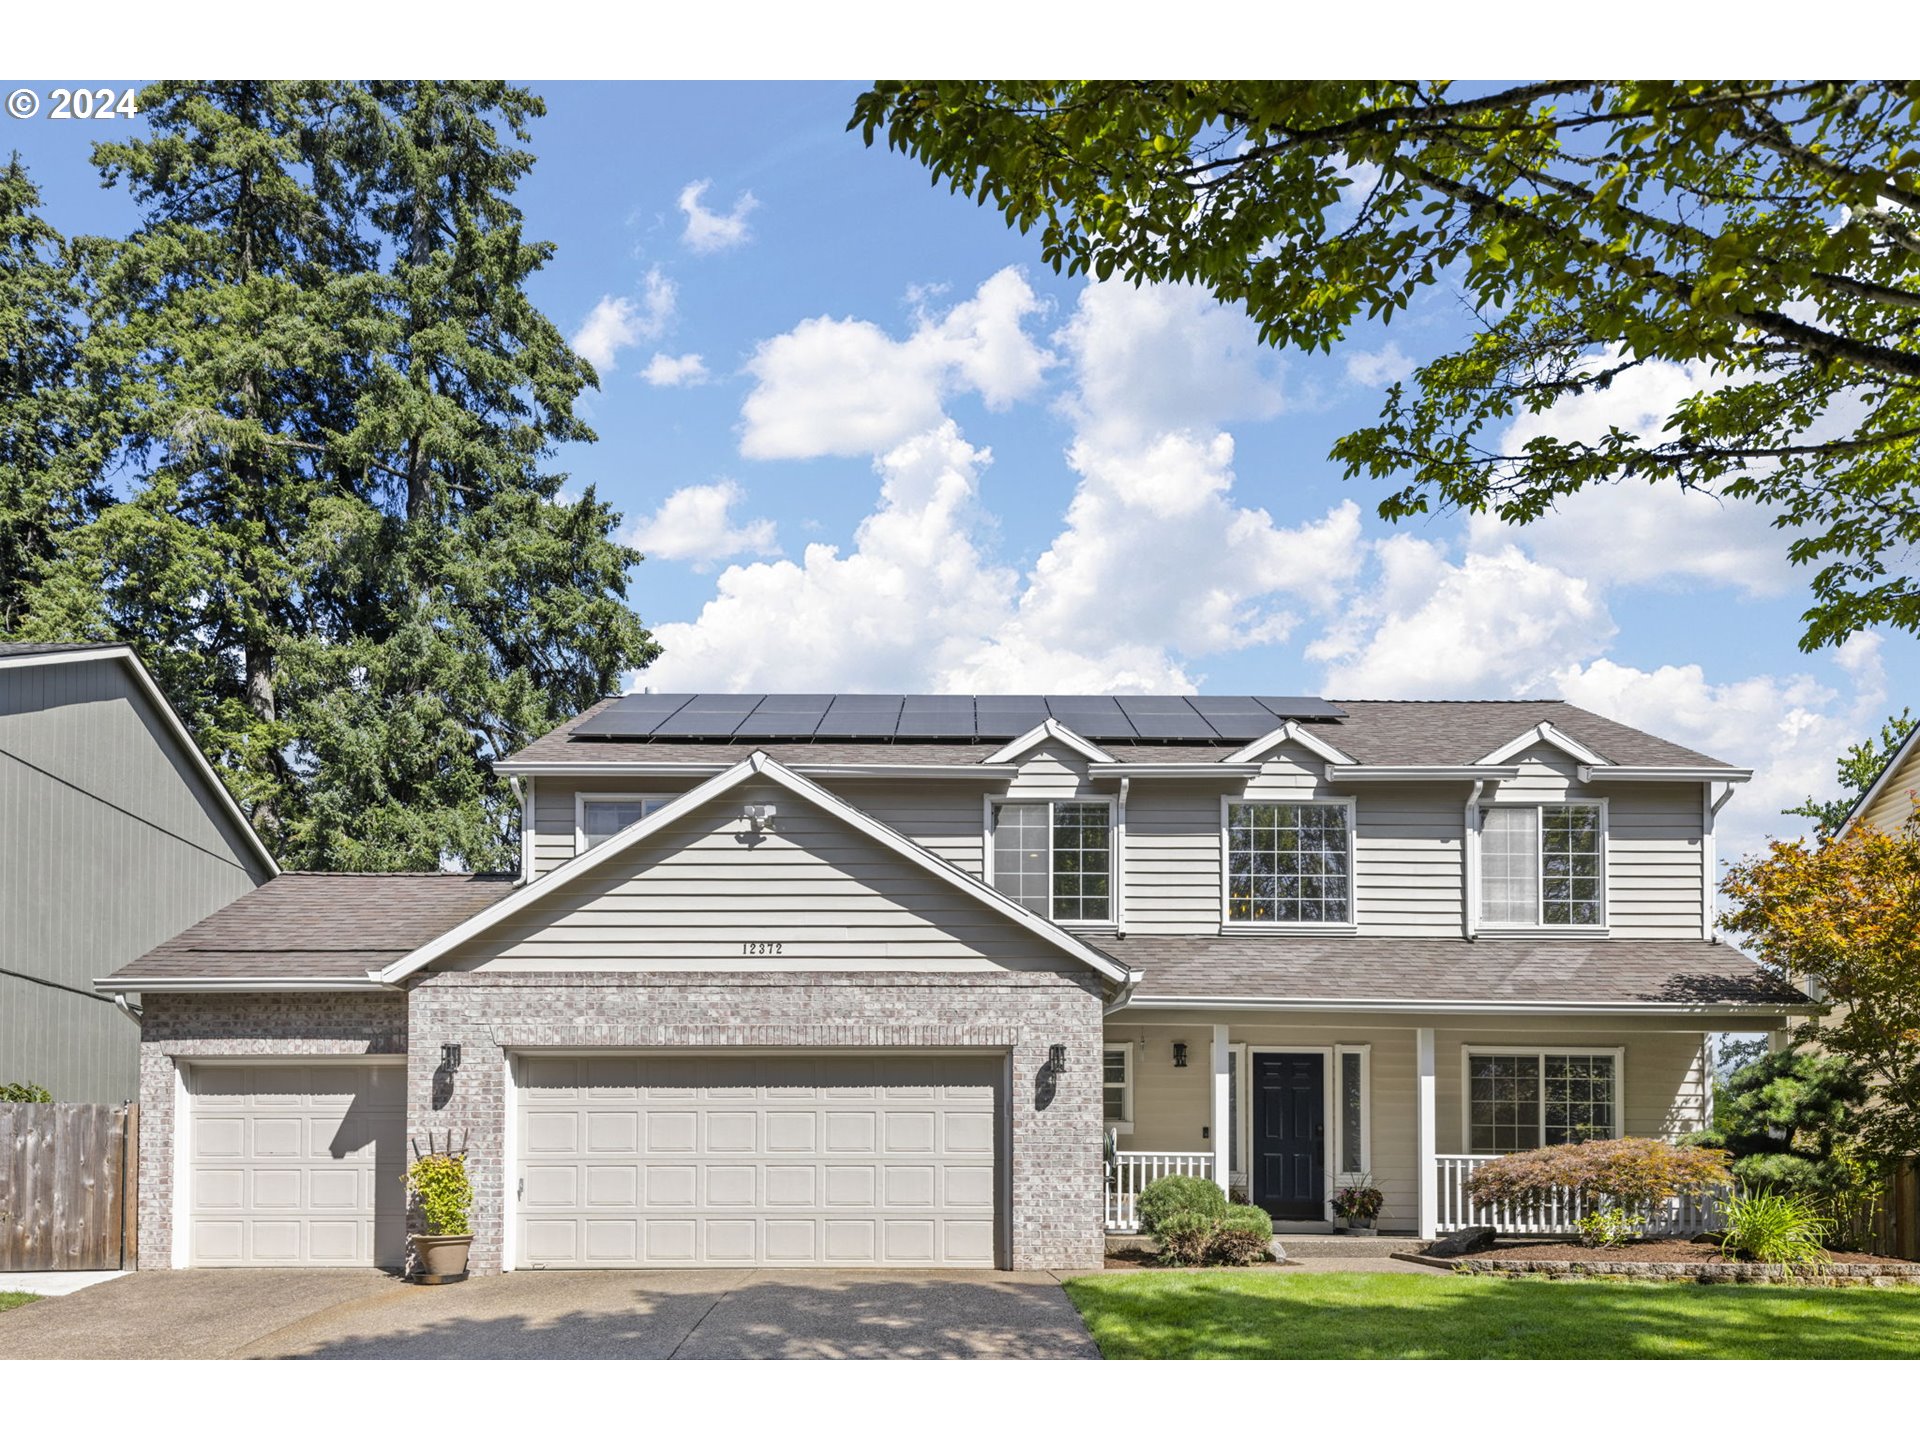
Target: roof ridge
x,y
405,874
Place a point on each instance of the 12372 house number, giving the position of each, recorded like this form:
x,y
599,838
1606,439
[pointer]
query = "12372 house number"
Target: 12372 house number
x,y
763,947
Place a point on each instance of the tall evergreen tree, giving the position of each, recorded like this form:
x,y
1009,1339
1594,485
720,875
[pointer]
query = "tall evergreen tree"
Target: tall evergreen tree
x,y
341,549
49,466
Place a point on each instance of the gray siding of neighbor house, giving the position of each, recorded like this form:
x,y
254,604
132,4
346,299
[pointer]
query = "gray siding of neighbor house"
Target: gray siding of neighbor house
x,y
1408,836
109,844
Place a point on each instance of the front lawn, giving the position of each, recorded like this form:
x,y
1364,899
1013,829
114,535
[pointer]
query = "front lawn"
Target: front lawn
x,y
1268,1315
14,1299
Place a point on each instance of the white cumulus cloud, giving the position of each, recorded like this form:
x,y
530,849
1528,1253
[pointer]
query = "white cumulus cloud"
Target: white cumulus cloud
x,y
1375,368
709,230
666,369
621,321
695,523
846,387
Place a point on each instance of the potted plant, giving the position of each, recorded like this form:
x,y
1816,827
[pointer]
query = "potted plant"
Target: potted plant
x,y
1357,1206
439,1191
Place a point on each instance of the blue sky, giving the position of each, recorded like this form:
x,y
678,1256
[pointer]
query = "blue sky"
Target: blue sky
x,y
910,457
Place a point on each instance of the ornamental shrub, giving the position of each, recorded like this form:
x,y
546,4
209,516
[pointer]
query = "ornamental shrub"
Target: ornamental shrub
x,y
438,1187
1243,1236
1607,1228
1776,1229
25,1093
1173,1193
1630,1174
1185,1236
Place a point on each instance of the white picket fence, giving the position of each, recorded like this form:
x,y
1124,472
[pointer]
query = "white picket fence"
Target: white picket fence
x,y
1557,1216
1134,1170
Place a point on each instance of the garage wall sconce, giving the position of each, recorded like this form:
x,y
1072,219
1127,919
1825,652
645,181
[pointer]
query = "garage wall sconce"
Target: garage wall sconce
x,y
1057,1059
450,1057
1179,1054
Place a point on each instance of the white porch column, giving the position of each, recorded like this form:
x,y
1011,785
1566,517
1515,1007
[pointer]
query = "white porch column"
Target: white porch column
x,y
1222,1121
1426,1119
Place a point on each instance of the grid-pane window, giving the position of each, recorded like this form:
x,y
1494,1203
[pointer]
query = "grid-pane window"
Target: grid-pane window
x,y
1503,1105
601,820
1055,857
1521,1102
1541,865
1082,862
1352,1095
1578,1098
1570,865
1288,863
1115,1092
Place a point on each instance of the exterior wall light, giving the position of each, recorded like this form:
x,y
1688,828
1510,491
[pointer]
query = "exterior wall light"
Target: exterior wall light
x,y
450,1057
1179,1054
759,817
1057,1059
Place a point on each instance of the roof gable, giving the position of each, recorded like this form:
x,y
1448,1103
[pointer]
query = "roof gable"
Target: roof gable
x,y
1881,799
1039,735
1545,733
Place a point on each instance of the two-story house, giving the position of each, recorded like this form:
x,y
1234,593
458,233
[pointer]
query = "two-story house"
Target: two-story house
x,y
871,980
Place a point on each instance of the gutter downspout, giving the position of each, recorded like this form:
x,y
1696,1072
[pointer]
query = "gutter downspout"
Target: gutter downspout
x,y
1710,863
1120,860
1468,856
132,1012
526,825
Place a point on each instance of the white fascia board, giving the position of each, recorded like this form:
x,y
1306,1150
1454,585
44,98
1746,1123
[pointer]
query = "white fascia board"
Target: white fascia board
x,y
1893,766
1544,733
1173,770
1461,1007
1423,772
758,764
1294,732
1690,774
175,725
162,984
697,769
1048,729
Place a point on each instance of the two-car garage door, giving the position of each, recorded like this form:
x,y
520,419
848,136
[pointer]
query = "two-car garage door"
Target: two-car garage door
x,y
770,1159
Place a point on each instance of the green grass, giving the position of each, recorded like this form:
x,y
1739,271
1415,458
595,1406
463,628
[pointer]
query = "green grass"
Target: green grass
x,y
14,1299
1241,1315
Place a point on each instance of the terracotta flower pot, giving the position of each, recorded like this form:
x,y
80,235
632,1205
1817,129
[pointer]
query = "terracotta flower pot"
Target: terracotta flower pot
x,y
440,1257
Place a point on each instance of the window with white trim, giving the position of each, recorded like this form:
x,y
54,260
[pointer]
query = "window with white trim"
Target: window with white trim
x,y
1055,857
1116,1086
1542,865
1353,1112
601,817
1289,864
1521,1100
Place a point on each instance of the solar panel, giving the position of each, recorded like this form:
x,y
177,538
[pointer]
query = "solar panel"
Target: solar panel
x,y
784,717
709,715
927,717
1301,707
1158,717
630,717
1004,717
1094,717
1236,717
860,717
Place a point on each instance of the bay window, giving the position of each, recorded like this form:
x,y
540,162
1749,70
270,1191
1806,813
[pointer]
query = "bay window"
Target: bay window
x,y
1289,864
1523,1099
1055,857
1542,866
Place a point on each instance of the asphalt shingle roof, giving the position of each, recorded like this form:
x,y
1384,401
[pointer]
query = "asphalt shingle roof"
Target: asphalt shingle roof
x,y
312,926
1381,968
16,647
1374,732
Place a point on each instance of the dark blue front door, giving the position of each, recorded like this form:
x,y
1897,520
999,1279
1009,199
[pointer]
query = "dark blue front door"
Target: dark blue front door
x,y
1289,1136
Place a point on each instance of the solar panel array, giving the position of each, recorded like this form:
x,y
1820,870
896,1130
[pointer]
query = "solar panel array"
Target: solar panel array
x,y
1152,718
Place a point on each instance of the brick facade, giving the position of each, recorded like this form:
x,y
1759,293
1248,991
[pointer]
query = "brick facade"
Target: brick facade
x,y
181,1027
1053,1187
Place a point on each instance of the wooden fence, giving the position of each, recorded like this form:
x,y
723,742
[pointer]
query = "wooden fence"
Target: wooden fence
x,y
69,1197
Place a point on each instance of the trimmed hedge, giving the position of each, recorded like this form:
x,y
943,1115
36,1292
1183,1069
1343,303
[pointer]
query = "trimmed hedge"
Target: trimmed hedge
x,y
1243,1236
1186,1237
1172,1194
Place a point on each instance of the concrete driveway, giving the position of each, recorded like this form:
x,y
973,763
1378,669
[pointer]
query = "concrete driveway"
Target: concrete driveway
x,y
554,1315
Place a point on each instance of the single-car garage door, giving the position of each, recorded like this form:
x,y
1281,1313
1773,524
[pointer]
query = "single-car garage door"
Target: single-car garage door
x,y
776,1159
297,1164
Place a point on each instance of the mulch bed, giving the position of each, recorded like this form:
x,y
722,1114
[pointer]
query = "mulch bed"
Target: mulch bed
x,y
1669,1252
1699,1261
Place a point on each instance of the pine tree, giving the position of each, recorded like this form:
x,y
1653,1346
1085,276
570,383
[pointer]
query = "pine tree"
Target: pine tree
x,y
49,472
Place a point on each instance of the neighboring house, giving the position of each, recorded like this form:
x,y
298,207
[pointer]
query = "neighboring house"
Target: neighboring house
x,y
115,834
1892,801
869,980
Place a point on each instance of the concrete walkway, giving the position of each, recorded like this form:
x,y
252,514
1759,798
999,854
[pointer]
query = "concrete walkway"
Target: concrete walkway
x,y
587,1314
55,1282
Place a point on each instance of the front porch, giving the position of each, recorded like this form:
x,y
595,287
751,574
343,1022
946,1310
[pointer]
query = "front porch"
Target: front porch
x,y
1412,1109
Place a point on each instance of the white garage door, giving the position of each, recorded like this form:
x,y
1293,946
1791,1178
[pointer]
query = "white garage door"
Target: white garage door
x,y
297,1164
787,1159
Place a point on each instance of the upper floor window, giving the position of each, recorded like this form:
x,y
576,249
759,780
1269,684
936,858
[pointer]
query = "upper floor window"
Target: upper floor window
x,y
599,818
1055,857
1290,864
1542,865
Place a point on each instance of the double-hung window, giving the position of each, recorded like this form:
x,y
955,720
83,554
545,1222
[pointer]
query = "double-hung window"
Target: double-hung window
x,y
598,818
1523,1099
1056,857
1289,864
1542,865
1116,1086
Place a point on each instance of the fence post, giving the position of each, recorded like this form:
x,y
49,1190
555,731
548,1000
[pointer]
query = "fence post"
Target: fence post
x,y
130,1189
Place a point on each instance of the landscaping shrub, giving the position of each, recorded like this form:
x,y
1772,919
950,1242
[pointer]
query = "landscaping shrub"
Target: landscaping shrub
x,y
1243,1236
441,1191
1171,1194
1776,1229
1608,1228
1185,1236
1629,1174
26,1093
